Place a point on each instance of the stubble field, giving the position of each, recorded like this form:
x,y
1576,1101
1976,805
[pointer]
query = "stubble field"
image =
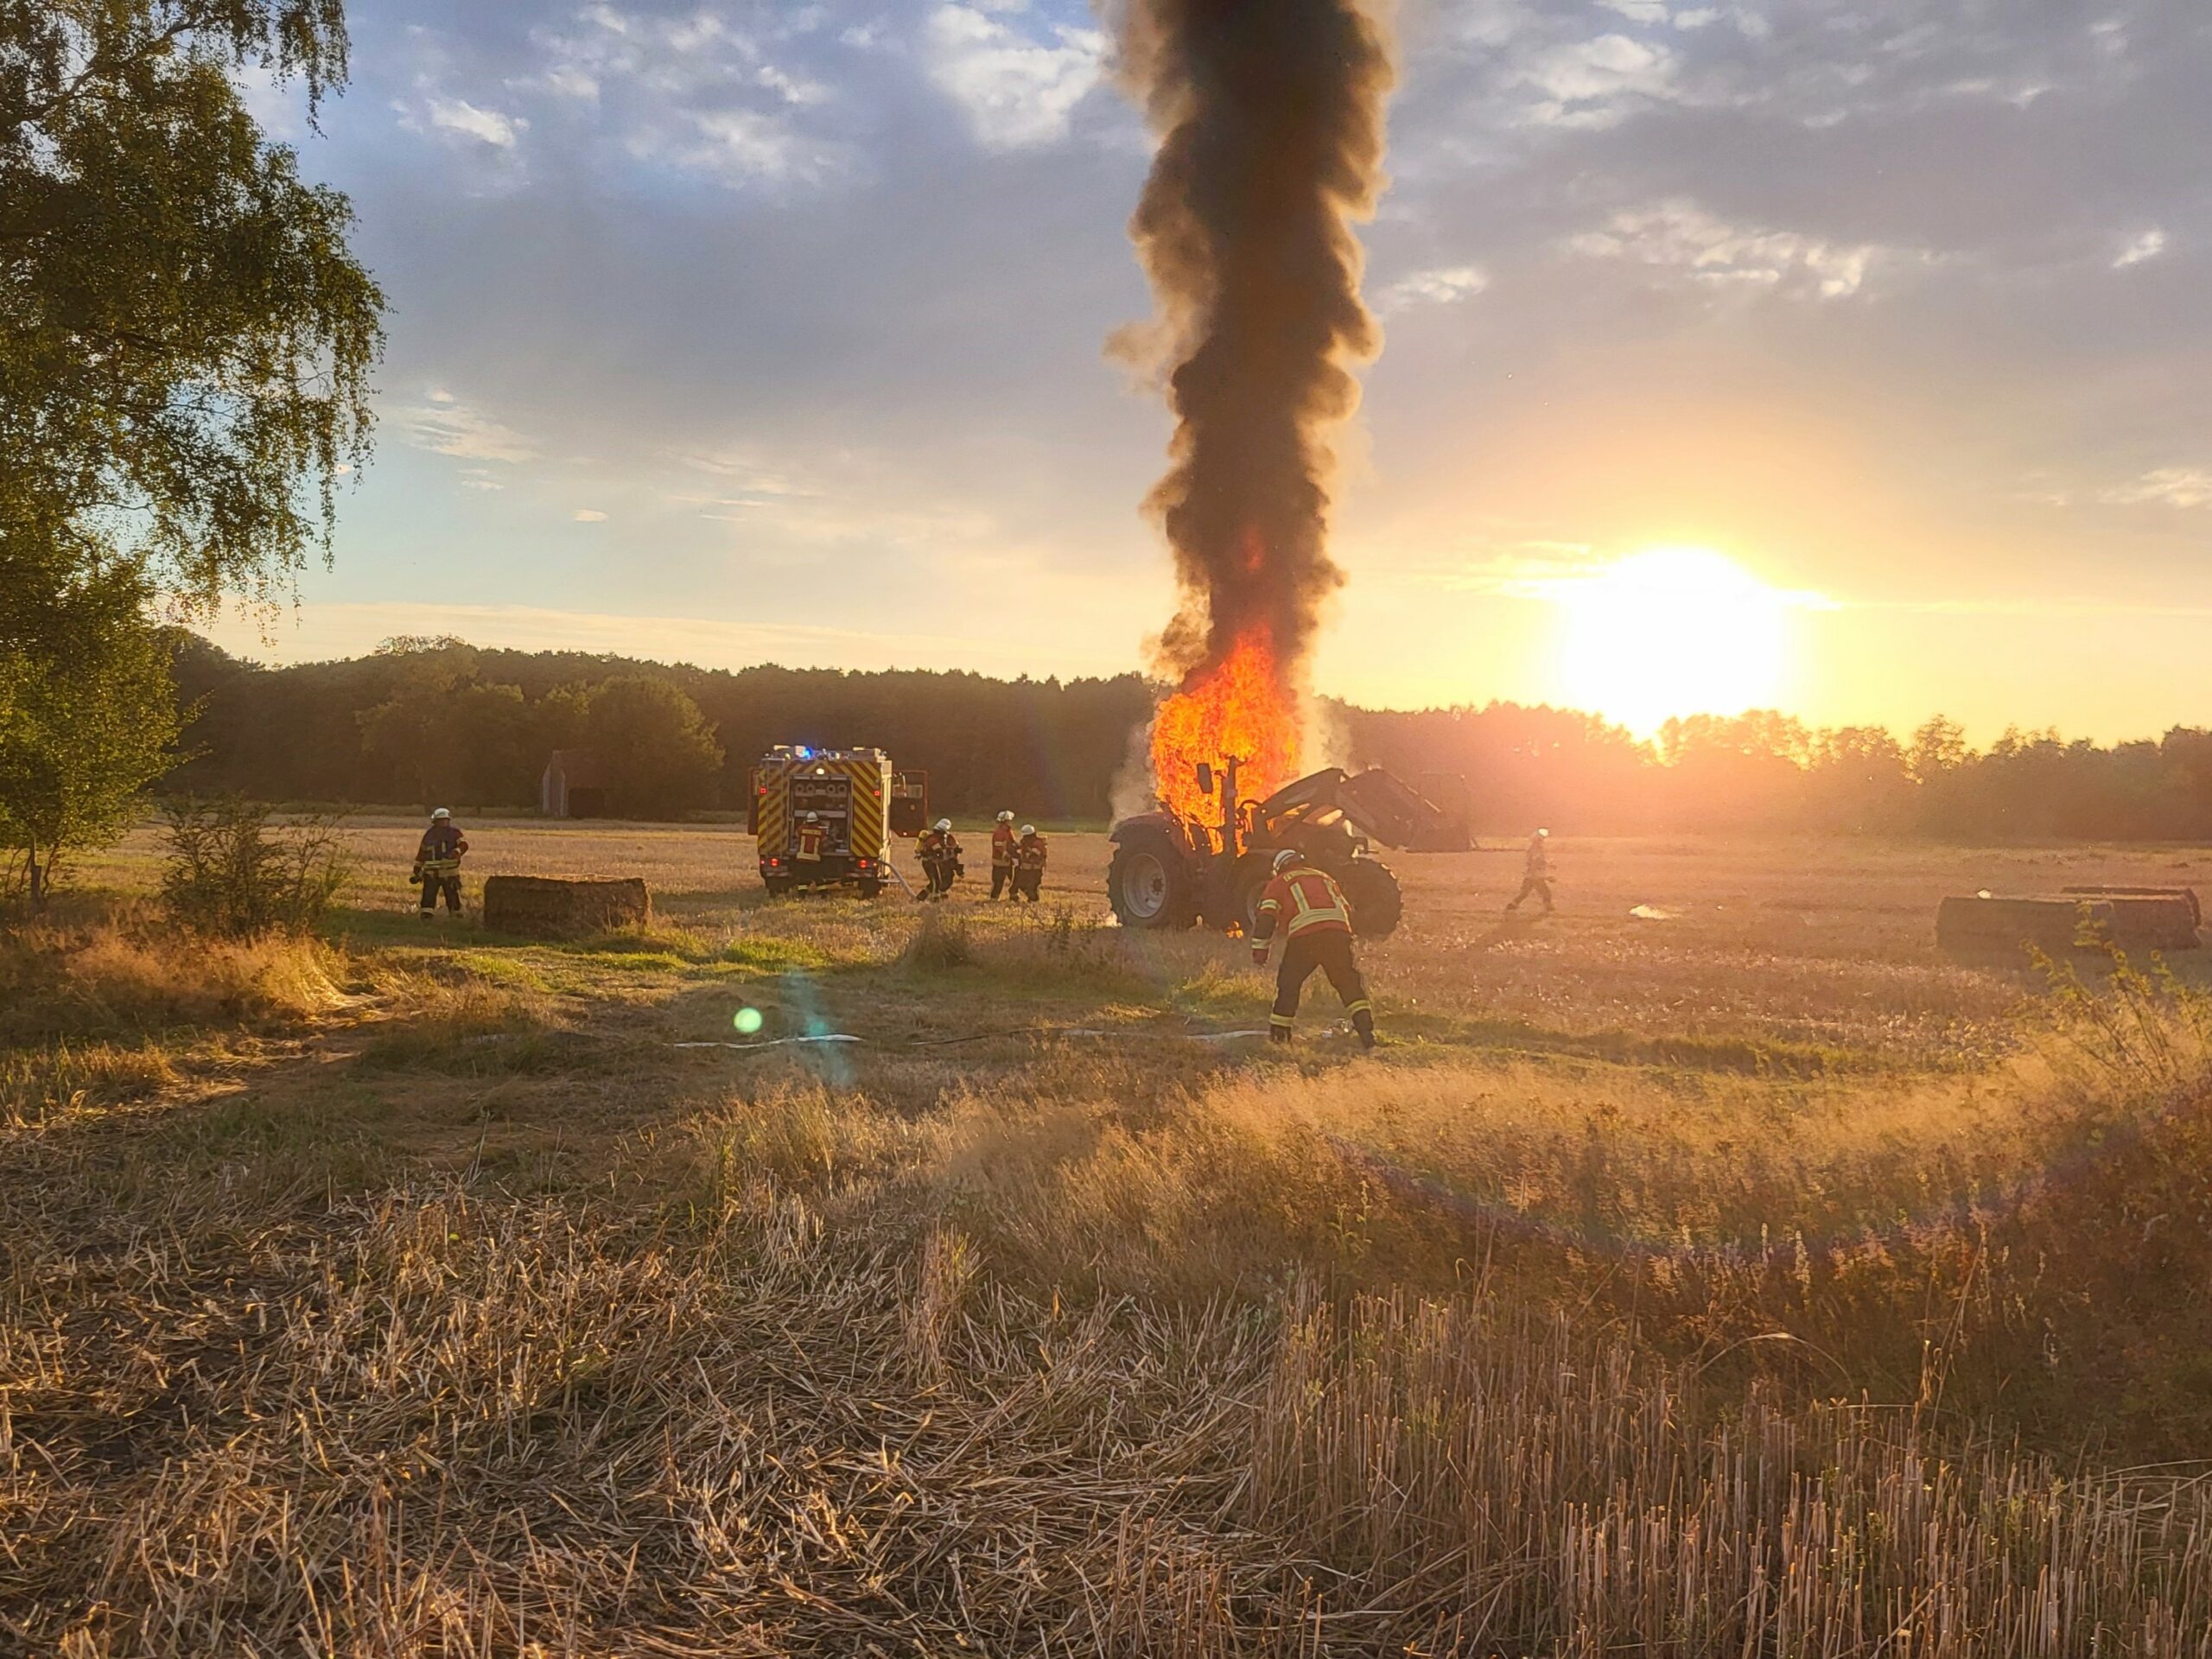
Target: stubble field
x,y
1712,1267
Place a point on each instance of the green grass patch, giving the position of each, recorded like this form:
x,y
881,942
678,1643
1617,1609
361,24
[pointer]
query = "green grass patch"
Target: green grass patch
x,y
768,954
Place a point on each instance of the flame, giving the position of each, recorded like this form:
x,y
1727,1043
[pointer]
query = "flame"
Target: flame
x,y
1243,705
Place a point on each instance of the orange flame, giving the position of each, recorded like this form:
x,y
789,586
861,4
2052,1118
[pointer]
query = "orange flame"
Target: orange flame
x,y
1243,706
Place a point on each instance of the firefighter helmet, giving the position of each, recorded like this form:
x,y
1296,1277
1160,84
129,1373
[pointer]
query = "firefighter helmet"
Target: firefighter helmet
x,y
1286,858
1028,828
944,826
440,816
814,817
1006,818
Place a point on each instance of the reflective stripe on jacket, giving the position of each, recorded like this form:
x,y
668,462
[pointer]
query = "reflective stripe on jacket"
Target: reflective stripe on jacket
x,y
1305,901
439,866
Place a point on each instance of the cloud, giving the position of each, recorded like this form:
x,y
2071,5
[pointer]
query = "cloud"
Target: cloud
x,y
1017,91
458,116
2189,488
700,91
589,516
1683,237
2149,246
1440,285
444,424
1600,82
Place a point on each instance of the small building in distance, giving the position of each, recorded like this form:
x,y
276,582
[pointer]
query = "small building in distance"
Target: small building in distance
x,y
573,785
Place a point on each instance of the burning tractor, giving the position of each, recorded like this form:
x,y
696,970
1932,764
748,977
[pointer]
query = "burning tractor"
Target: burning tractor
x,y
1170,871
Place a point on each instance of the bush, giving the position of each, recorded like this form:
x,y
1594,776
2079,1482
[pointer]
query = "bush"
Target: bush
x,y
231,874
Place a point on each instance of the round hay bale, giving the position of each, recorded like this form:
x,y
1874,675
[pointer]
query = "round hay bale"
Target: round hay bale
x,y
559,907
2183,895
2010,927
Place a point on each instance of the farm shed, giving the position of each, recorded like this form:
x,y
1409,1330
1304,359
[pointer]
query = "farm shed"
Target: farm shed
x,y
573,785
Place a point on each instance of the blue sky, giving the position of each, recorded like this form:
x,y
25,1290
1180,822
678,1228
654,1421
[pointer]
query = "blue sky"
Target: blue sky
x,y
746,332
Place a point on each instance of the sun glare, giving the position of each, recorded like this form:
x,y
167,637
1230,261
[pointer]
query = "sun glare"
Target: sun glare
x,y
1672,630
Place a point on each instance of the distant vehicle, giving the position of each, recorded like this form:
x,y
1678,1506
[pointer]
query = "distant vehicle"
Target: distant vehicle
x,y
1169,871
858,801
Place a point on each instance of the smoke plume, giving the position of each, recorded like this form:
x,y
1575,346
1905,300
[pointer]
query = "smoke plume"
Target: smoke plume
x,y
1269,116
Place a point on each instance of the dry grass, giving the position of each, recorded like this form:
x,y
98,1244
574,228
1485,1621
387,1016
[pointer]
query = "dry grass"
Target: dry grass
x,y
1759,1284
127,977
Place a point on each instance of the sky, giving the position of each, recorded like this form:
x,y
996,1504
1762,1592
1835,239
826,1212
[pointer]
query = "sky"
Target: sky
x,y
733,332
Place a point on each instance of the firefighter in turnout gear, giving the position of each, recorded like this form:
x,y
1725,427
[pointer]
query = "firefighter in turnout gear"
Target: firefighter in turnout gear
x,y
1309,907
939,852
811,834
1028,864
437,863
1002,858
1536,873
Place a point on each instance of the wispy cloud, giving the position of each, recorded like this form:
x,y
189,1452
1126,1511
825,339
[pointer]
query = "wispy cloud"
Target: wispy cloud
x,y
442,423
1017,90
700,91
2186,487
1683,237
1440,285
459,115
2149,246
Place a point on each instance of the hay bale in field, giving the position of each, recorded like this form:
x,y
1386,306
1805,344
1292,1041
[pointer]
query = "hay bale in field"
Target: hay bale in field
x,y
546,907
2187,895
1983,926
1990,926
2155,921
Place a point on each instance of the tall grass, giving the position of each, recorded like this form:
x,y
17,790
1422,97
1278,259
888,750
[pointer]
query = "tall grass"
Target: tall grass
x,y
123,978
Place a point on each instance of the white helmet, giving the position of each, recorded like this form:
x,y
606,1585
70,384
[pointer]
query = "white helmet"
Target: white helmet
x,y
1543,835
440,816
814,817
1285,858
1006,818
1028,828
944,826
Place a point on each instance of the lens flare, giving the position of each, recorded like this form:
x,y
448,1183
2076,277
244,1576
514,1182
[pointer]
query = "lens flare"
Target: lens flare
x,y
749,1021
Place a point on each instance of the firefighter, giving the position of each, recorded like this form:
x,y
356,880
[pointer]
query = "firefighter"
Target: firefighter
x,y
437,863
1536,873
1316,923
1029,864
1002,858
939,852
811,834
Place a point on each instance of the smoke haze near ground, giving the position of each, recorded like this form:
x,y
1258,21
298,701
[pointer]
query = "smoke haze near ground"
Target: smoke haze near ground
x,y
1270,123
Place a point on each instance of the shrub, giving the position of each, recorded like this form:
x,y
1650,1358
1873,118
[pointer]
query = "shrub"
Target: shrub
x,y
231,874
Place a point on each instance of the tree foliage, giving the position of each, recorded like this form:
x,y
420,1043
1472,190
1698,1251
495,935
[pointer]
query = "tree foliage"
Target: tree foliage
x,y
185,347
232,873
185,339
656,752
88,712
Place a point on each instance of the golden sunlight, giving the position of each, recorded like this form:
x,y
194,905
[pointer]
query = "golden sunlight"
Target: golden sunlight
x,y
1672,630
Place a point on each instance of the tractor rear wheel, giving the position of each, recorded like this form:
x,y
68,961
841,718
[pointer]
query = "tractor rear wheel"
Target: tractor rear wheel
x,y
1372,890
1254,871
1147,883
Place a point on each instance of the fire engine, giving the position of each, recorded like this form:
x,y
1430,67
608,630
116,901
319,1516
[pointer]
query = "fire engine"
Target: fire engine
x,y
859,803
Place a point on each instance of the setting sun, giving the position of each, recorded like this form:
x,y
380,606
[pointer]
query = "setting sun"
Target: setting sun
x,y
1672,630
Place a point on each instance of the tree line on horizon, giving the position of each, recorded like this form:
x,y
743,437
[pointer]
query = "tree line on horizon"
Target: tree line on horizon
x,y
425,721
